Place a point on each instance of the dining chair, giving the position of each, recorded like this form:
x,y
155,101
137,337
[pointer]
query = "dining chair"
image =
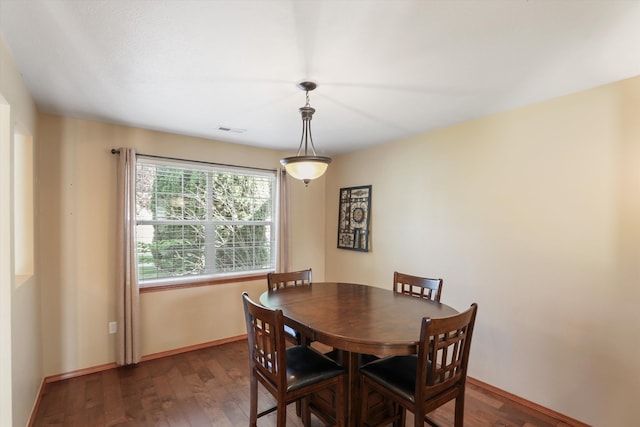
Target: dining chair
x,y
289,373
423,382
277,281
416,286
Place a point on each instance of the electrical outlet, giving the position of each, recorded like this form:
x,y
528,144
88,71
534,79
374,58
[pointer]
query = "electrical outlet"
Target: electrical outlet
x,y
113,327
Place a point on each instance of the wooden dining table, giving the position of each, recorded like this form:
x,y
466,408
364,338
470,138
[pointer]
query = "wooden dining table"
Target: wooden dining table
x,y
356,319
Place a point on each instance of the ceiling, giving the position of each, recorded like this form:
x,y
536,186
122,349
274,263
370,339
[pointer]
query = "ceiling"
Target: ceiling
x,y
385,69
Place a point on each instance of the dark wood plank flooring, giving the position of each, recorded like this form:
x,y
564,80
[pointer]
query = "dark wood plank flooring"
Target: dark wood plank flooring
x,y
210,387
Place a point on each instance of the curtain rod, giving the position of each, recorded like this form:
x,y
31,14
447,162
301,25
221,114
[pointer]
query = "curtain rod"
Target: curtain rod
x,y
116,151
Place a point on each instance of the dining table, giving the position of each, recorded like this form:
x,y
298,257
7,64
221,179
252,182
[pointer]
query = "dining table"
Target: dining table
x,y
358,320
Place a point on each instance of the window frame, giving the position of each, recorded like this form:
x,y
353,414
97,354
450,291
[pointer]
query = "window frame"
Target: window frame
x,y
211,278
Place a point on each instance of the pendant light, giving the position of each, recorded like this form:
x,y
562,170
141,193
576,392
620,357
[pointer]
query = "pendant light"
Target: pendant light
x,y
306,165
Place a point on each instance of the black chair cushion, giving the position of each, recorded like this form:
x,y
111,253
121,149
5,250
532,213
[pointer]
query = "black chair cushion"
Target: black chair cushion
x,y
397,373
368,358
333,354
306,366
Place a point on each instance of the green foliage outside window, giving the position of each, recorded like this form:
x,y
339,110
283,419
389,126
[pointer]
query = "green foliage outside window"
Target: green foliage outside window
x,y
203,222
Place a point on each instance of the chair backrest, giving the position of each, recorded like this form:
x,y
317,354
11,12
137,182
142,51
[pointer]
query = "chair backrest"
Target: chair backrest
x,y
422,287
443,353
277,281
265,334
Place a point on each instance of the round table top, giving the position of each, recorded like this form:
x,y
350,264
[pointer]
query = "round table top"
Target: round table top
x,y
356,318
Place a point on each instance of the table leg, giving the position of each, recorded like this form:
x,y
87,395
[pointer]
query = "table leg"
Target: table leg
x,y
351,362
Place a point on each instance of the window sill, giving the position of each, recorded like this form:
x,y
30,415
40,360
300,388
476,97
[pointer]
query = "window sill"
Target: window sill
x,y
207,282
21,279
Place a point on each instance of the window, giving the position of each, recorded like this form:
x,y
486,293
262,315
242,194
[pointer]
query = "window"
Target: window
x,y
23,206
198,221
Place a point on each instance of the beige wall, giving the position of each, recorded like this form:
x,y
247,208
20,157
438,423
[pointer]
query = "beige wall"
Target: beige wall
x,y
20,328
535,215
77,193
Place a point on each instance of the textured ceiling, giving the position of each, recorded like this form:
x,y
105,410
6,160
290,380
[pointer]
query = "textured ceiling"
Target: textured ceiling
x,y
385,69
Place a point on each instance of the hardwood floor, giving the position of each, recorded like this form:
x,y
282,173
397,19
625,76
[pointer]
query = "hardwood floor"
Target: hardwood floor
x,y
210,387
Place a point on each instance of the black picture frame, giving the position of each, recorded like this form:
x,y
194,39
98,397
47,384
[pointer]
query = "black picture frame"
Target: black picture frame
x,y
354,212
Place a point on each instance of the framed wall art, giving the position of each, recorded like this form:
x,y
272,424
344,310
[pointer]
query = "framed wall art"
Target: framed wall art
x,y
353,220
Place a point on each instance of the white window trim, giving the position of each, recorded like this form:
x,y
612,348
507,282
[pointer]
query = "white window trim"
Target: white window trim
x,y
215,167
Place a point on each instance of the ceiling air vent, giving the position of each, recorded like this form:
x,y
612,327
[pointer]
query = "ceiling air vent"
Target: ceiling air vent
x,y
228,129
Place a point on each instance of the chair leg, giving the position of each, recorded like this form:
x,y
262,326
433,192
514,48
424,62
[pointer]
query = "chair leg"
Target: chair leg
x,y
282,413
253,398
419,420
401,416
306,413
459,411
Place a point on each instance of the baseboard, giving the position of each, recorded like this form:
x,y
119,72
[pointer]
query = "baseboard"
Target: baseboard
x,y
193,347
527,403
79,372
36,404
519,400
107,366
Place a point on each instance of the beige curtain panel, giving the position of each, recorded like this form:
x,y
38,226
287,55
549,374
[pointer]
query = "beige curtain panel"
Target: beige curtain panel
x,y
283,234
127,291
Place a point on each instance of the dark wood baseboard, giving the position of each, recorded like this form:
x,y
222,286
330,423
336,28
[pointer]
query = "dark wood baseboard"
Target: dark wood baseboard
x,y
527,403
79,372
193,347
106,366
480,384
100,368
36,405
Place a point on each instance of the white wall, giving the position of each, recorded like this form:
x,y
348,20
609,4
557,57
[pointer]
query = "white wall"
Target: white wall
x,y
78,177
534,214
20,329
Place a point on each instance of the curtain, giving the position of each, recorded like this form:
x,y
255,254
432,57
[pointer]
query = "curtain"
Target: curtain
x,y
283,233
127,299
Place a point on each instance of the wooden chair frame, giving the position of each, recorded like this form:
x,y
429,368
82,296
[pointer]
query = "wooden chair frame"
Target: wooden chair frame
x,y
441,373
268,366
416,286
277,281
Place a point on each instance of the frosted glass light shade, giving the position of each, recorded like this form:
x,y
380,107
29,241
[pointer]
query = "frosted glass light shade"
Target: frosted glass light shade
x,y
306,168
